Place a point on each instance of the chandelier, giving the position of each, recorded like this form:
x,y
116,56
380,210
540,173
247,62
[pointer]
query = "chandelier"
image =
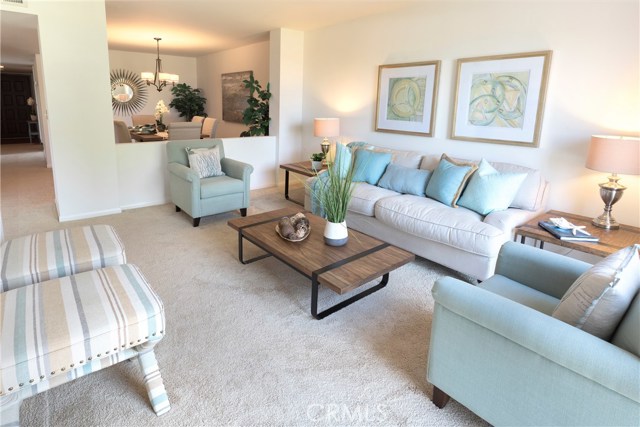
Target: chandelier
x,y
159,79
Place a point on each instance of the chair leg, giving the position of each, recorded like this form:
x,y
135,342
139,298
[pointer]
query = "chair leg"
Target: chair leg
x,y
243,211
440,398
196,222
178,208
152,379
10,410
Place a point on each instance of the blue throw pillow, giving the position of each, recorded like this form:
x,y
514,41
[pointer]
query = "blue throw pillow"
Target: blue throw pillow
x,y
489,190
342,161
370,165
448,180
405,180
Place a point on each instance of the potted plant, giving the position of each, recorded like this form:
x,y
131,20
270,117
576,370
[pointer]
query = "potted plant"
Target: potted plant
x,y
187,101
331,192
256,115
32,104
161,108
316,161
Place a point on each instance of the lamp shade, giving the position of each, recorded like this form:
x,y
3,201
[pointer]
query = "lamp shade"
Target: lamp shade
x,y
614,154
326,127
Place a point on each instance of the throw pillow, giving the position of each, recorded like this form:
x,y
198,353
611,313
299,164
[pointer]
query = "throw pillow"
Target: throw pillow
x,y
599,298
205,161
448,180
489,190
370,165
342,161
405,180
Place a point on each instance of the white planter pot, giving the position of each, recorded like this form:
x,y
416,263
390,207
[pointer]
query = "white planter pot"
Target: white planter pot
x,y
33,117
316,165
336,233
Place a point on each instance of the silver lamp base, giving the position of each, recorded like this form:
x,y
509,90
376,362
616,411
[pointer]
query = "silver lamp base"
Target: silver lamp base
x,y
610,192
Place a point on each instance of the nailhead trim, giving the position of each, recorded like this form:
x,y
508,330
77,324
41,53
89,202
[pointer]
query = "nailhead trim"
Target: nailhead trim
x,y
115,349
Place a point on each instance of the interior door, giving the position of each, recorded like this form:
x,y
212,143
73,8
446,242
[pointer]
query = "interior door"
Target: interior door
x,y
15,89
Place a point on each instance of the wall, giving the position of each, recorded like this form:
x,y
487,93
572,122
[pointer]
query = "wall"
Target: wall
x,y
254,57
593,86
137,62
81,138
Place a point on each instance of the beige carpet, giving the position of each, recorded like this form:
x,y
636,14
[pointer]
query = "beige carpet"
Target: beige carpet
x,y
241,347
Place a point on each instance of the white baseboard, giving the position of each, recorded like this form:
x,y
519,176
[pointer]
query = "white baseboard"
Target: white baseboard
x,y
88,215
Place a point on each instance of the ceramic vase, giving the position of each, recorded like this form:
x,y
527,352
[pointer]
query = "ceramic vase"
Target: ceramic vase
x,y
33,117
336,233
316,165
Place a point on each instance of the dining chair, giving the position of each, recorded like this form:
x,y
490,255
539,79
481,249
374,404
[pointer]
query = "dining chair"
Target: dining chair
x,y
209,127
143,119
184,130
121,131
198,119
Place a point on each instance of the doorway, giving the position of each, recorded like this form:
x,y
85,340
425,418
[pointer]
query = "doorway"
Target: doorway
x,y
14,110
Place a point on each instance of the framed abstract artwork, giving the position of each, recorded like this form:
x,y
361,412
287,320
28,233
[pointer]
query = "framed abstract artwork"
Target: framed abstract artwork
x,y
407,95
234,96
500,99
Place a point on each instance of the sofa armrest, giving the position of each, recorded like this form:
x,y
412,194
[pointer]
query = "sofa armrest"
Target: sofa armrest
x,y
181,171
483,338
236,169
545,271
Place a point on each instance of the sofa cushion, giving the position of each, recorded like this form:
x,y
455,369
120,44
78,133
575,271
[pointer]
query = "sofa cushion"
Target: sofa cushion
x,y
369,166
405,180
205,161
220,186
531,193
599,298
448,180
427,218
520,293
343,159
365,196
489,190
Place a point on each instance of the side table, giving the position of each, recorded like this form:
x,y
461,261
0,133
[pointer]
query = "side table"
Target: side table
x,y
610,240
34,129
301,168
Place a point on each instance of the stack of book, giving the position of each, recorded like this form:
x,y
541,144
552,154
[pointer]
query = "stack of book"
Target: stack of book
x,y
569,234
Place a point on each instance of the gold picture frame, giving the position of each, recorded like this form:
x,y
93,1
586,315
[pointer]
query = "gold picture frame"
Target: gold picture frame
x,y
407,97
500,99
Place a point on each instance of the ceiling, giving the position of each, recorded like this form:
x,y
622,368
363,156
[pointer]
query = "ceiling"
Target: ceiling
x,y
193,27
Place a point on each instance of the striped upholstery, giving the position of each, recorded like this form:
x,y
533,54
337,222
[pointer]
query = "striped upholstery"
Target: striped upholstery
x,y
58,330
43,256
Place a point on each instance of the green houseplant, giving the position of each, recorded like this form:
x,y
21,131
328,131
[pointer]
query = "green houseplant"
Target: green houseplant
x,y
256,115
331,192
316,161
187,101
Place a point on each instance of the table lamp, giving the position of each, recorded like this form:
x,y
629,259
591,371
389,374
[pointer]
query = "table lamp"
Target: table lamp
x,y
326,128
615,154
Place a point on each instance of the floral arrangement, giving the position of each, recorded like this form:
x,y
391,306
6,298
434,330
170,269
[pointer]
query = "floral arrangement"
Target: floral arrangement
x,y
32,103
161,108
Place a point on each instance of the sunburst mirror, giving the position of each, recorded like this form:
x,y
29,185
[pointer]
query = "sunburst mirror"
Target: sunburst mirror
x,y
128,92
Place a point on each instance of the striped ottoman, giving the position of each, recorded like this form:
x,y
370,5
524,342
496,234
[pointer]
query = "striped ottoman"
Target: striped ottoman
x,y
55,331
43,256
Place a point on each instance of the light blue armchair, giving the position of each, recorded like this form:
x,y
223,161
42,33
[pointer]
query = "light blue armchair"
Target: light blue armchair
x,y
207,196
496,349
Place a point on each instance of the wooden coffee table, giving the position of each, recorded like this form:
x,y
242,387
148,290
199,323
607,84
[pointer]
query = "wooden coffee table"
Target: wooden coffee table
x,y
341,269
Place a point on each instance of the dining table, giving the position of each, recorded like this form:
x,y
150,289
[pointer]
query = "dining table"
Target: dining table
x,y
147,137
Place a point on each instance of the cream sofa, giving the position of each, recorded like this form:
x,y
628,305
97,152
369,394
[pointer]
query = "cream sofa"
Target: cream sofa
x,y
457,238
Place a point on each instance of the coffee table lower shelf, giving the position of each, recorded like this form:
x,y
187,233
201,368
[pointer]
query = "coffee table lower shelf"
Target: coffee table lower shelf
x,y
350,267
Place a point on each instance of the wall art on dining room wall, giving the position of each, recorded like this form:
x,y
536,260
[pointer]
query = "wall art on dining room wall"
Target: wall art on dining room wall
x,y
407,95
500,99
234,96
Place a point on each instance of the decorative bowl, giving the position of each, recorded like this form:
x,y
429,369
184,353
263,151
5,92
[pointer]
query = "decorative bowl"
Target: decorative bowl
x,y
293,240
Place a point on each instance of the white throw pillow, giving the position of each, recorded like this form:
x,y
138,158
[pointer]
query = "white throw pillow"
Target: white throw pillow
x,y
205,161
599,298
